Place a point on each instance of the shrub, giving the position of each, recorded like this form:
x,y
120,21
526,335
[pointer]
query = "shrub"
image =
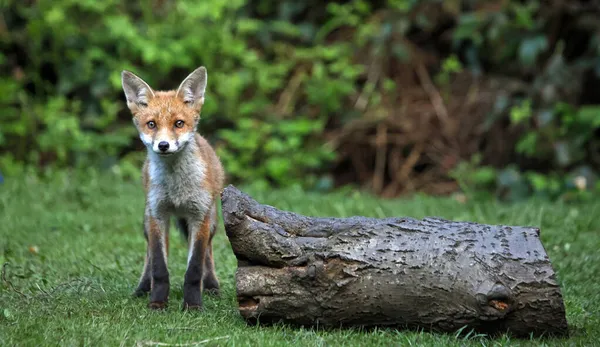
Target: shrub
x,y
302,91
62,104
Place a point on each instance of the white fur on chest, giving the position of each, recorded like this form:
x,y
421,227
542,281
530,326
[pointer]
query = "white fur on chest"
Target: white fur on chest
x,y
175,187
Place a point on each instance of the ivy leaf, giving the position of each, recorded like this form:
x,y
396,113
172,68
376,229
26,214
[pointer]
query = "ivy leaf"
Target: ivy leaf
x,y
520,113
527,144
589,115
530,49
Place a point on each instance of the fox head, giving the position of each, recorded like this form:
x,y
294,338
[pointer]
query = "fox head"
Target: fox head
x,y
166,120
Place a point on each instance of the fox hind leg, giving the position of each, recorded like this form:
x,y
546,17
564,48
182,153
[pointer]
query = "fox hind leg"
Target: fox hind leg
x,y
198,244
183,227
200,274
210,281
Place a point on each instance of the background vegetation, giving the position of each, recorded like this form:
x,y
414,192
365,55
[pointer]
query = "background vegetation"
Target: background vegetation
x,y
396,96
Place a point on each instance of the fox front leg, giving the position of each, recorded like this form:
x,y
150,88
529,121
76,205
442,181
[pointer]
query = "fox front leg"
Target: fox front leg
x,y
145,282
157,261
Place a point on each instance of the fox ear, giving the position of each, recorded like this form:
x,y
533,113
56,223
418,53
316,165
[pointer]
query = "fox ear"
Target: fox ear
x,y
137,92
192,89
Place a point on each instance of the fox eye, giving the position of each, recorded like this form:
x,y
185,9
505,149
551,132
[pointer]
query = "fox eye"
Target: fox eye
x,y
179,124
151,124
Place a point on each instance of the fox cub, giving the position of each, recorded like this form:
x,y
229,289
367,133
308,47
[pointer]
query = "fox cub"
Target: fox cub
x,y
182,177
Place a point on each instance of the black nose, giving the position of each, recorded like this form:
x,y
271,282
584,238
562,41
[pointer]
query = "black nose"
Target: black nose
x,y
163,146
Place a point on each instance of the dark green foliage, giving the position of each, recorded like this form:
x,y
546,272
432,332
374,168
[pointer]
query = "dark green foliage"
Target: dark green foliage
x,y
62,102
554,49
284,76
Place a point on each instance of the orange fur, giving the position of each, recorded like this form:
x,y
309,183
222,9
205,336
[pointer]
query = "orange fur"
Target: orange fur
x,y
164,109
182,176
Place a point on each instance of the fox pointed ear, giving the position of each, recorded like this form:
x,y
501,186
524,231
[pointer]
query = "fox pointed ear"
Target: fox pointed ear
x,y
192,89
137,92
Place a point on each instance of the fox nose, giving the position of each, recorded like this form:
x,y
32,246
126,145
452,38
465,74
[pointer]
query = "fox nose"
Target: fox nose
x,y
163,146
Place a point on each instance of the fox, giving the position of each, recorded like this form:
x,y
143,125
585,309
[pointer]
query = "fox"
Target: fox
x,y
182,178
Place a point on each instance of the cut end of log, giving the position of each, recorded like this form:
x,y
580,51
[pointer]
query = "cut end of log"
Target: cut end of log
x,y
499,305
431,274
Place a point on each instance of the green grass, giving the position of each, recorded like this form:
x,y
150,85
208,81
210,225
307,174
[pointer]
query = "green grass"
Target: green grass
x,y
75,289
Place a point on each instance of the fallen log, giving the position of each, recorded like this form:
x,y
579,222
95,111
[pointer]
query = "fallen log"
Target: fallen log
x,y
432,273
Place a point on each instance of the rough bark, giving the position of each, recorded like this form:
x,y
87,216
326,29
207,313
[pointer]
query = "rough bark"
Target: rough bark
x,y
431,273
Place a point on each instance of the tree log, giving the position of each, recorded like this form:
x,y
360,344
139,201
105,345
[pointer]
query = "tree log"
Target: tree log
x,y
432,273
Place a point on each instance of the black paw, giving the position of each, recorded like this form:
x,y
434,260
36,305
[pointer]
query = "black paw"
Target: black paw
x,y
192,306
211,286
213,291
157,305
140,292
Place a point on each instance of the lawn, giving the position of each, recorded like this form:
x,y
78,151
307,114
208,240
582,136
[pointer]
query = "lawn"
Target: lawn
x,y
74,249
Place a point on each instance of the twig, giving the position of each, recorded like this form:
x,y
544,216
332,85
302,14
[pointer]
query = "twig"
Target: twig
x,y
410,162
9,283
359,165
182,328
43,292
286,97
380,157
63,285
471,97
154,343
372,79
402,175
432,92
41,289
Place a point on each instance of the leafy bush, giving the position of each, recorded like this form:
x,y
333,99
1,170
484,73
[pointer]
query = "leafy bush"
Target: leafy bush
x,y
284,76
62,104
553,51
559,136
